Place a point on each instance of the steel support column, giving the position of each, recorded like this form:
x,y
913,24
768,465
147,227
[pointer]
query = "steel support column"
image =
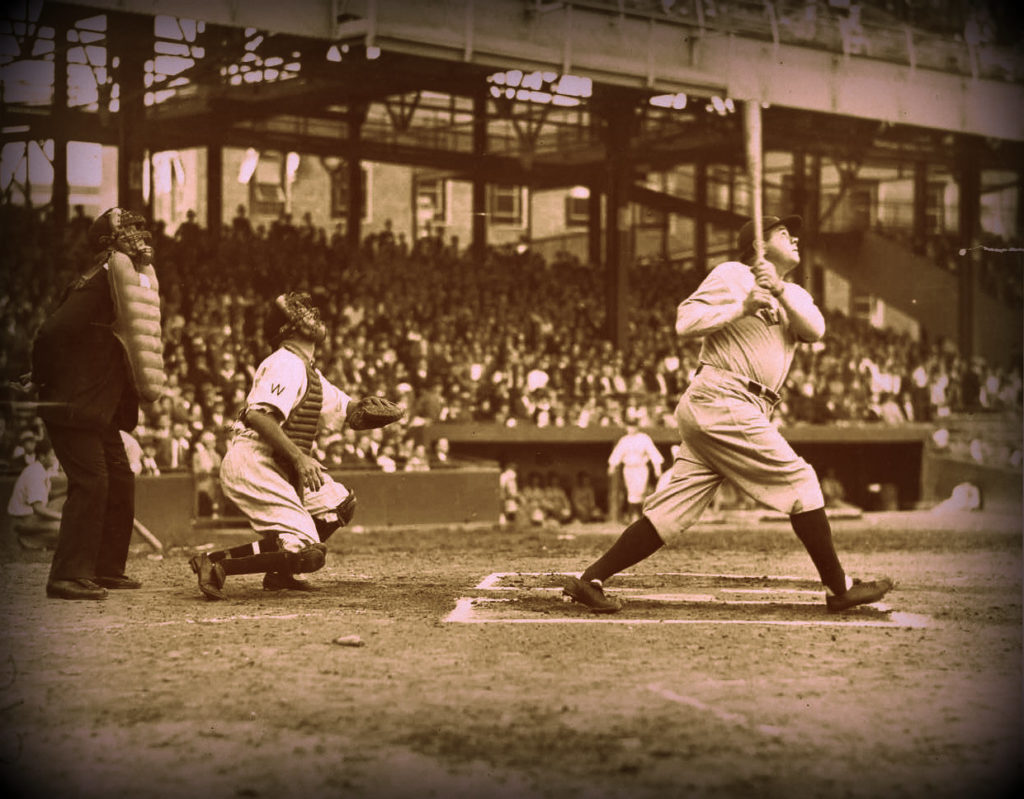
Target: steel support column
x,y
700,225
214,189
479,191
131,41
354,167
594,227
969,178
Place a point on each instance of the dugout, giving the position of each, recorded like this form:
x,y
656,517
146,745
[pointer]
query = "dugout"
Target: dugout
x,y
862,456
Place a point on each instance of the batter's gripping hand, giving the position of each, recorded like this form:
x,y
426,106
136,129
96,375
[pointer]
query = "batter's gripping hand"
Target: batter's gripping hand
x,y
767,278
757,299
370,412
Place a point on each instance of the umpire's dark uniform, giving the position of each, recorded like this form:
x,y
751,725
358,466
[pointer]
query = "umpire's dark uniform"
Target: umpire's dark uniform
x,y
86,397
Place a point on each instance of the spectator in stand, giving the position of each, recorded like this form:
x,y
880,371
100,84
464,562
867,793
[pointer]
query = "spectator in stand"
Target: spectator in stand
x,y
150,466
133,449
418,460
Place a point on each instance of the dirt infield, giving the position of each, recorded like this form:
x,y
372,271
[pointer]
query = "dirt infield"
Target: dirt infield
x,y
722,677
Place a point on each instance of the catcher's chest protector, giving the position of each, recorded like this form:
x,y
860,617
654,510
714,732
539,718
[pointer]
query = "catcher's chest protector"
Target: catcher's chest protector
x,y
136,296
301,424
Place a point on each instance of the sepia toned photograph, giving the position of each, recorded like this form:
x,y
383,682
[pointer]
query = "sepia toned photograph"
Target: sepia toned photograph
x,y
507,399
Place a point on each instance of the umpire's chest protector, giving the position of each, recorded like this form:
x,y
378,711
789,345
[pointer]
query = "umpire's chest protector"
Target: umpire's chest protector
x,y
136,295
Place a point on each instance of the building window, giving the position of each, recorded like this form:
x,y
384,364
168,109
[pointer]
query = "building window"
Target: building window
x,y
505,205
431,209
577,208
340,192
266,188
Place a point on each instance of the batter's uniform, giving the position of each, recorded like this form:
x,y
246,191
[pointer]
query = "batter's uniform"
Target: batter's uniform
x,y
724,414
256,479
636,453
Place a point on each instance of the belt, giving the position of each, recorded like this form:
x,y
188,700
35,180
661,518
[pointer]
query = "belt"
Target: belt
x,y
752,386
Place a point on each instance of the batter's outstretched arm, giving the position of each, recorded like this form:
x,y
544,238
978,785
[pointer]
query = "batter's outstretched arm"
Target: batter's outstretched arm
x,y
695,318
805,320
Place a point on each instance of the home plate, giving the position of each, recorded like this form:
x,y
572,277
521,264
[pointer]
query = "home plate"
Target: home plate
x,y
669,598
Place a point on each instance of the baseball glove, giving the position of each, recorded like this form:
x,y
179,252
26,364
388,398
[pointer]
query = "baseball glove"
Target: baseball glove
x,y
370,412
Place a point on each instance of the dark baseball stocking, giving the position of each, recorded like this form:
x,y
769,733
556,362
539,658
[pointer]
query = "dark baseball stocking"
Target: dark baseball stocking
x,y
638,541
815,533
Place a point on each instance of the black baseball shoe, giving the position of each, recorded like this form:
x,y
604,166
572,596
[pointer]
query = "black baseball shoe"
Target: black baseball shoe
x,y
117,581
590,594
211,576
281,581
860,593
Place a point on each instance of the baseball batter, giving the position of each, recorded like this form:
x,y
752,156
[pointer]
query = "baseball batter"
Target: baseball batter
x,y
269,471
636,454
750,320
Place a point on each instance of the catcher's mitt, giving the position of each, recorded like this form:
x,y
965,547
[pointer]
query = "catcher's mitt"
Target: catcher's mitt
x,y
370,412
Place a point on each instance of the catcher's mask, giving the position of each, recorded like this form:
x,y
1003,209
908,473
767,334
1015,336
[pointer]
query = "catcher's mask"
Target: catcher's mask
x,y
124,231
293,314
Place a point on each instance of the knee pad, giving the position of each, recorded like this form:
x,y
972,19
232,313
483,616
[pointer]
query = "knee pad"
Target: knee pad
x,y
309,559
339,517
346,509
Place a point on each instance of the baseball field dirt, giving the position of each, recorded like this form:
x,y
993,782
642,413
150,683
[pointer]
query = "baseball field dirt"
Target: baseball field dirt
x,y
444,663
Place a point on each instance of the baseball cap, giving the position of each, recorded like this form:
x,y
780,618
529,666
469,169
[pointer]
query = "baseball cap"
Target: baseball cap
x,y
768,223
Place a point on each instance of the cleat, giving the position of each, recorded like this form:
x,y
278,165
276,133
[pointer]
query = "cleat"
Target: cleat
x,y
860,593
211,576
280,581
590,594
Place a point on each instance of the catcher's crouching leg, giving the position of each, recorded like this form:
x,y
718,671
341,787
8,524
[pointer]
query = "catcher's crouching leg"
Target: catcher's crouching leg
x,y
332,521
308,559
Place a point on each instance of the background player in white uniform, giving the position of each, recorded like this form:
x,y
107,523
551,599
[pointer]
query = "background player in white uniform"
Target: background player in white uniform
x,y
751,322
636,454
269,471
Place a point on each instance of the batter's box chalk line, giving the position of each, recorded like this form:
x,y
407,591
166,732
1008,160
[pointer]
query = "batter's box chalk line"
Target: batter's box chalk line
x,y
719,598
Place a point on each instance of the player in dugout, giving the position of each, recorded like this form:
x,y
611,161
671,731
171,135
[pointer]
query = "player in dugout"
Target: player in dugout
x,y
751,320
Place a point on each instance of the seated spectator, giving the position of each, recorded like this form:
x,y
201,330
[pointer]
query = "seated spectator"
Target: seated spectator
x,y
150,466
205,463
33,520
441,453
24,452
133,449
833,490
555,500
531,500
508,487
584,499
419,460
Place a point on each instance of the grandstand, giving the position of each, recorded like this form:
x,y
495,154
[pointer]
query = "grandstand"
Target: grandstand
x,y
498,233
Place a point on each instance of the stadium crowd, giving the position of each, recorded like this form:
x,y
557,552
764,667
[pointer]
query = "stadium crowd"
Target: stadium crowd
x,y
513,340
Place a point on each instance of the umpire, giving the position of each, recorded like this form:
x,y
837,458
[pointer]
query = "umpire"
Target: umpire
x,y
87,396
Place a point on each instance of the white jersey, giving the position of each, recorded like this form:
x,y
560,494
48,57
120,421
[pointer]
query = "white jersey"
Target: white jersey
x,y
635,449
758,346
280,383
249,475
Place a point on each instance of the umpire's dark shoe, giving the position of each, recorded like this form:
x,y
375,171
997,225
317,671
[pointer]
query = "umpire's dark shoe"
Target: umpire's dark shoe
x,y
281,581
118,581
590,594
860,593
75,589
211,576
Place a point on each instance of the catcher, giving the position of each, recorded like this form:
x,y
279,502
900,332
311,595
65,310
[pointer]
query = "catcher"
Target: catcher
x,y
269,471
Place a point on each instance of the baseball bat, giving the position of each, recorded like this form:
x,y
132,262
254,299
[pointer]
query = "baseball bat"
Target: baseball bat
x,y
150,539
755,169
